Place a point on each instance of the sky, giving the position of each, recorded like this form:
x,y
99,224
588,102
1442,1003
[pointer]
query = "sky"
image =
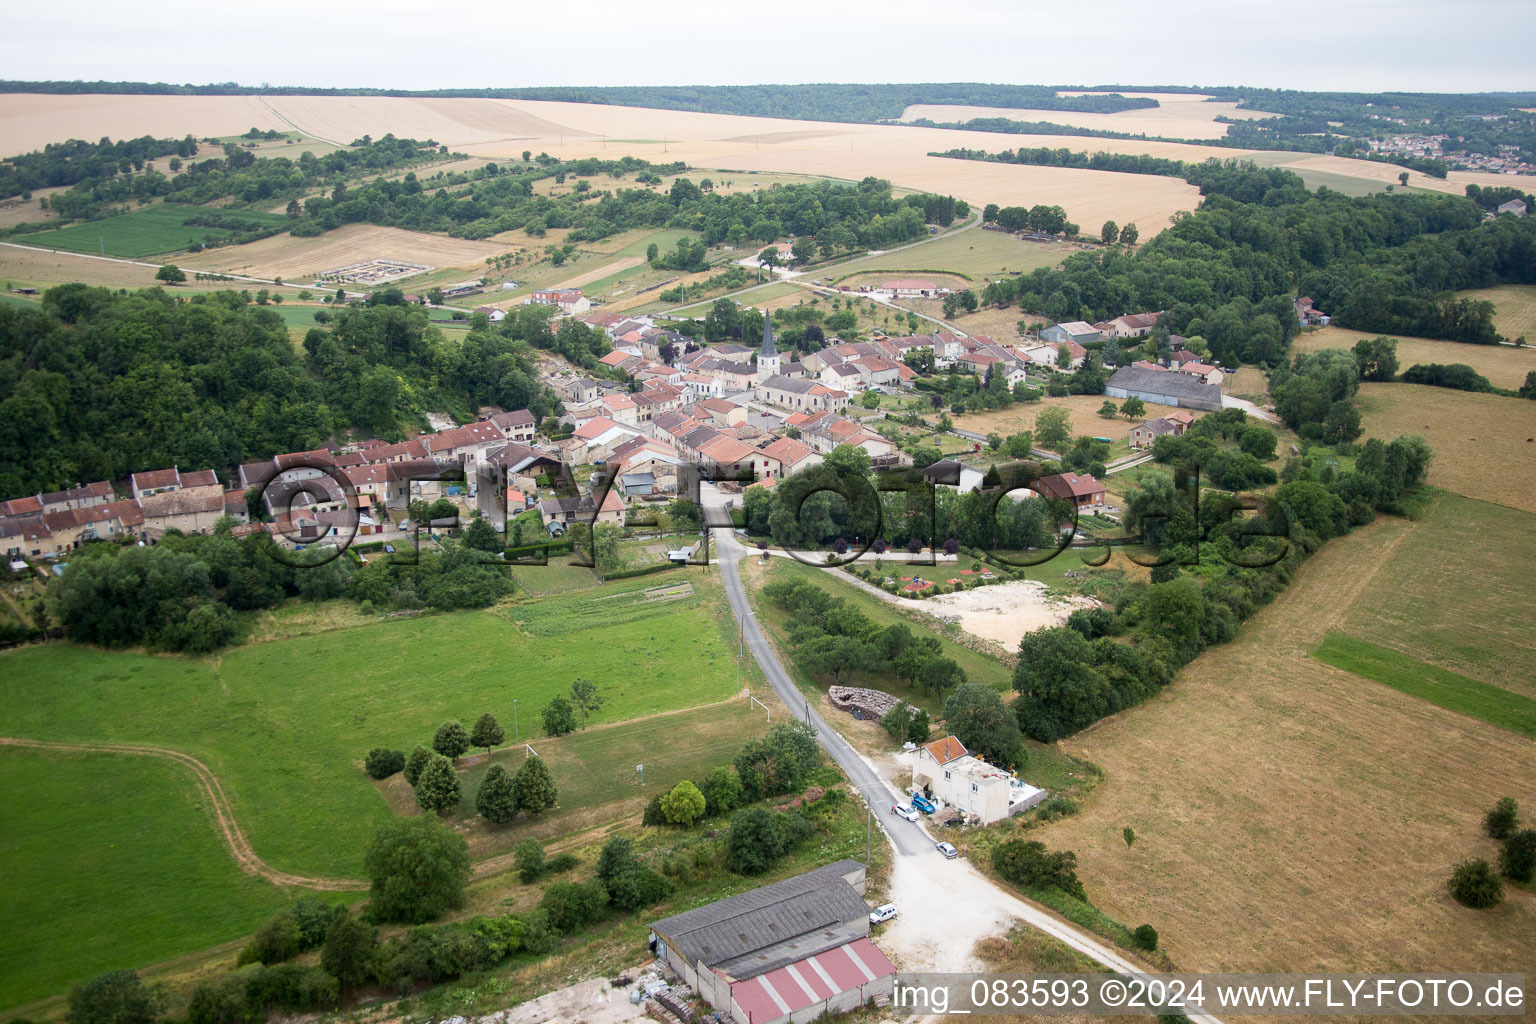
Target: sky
x,y
1353,45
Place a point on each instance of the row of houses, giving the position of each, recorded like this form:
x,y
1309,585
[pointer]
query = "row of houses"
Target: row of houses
x,y
53,524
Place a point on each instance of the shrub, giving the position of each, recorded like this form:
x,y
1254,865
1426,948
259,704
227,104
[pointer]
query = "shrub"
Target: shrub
x,y
572,905
684,805
529,856
759,837
1056,807
381,762
274,942
116,997
1474,884
1145,936
637,887
561,863
1518,858
722,790
1028,864
348,947
1500,822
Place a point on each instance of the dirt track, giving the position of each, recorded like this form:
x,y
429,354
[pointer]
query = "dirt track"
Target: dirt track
x,y
239,846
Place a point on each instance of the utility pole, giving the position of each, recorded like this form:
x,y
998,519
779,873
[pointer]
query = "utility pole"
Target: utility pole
x,y
869,817
515,738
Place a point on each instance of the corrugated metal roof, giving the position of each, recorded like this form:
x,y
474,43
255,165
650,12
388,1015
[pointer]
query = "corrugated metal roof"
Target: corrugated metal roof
x,y
760,918
813,980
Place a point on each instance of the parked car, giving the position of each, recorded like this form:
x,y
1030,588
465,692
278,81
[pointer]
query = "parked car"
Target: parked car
x,y
884,912
923,804
947,850
903,811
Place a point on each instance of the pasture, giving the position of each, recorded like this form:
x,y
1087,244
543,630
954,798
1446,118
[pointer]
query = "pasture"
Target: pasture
x,y
1293,816
973,254
1514,309
1469,567
150,231
1483,443
111,861
285,724
1504,365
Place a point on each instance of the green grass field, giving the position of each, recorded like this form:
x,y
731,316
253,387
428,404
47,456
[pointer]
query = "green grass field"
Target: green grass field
x,y
595,768
285,724
1480,700
975,254
111,861
147,232
1457,594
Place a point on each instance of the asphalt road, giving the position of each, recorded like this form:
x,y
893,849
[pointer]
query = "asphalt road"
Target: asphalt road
x,y
906,838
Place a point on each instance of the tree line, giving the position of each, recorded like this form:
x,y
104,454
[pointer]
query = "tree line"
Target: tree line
x,y
60,164
98,384
1227,271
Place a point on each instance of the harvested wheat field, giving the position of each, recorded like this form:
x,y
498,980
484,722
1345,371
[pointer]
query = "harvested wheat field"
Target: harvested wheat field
x,y
1485,445
37,267
1504,365
504,128
292,258
1082,409
1514,309
1374,170
1177,116
1293,816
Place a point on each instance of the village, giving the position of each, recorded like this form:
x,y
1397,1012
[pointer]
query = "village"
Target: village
x,y
733,411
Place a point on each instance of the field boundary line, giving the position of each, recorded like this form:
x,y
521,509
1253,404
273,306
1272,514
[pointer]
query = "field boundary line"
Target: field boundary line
x,y
239,846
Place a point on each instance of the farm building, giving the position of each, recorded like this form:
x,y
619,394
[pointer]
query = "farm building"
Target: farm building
x,y
909,288
788,952
496,315
1164,388
951,775
1073,330
1514,206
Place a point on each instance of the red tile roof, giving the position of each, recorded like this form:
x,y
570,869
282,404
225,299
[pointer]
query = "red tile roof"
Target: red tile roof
x,y
812,980
946,749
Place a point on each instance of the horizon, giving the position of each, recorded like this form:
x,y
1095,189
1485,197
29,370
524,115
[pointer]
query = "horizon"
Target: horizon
x,y
1356,46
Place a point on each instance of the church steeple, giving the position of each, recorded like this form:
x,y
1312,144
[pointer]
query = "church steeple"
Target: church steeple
x,y
767,356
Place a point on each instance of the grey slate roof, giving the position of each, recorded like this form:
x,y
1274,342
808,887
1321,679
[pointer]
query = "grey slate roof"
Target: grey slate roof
x,y
739,925
1181,385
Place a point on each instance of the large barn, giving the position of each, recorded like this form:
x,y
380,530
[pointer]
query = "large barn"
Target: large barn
x,y
1163,387
788,952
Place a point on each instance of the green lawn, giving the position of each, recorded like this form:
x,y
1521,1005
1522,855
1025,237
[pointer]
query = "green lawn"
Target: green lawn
x,y
111,861
1471,697
147,232
285,724
975,254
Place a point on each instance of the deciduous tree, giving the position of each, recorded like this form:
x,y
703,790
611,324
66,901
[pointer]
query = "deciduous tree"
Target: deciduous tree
x,y
418,868
496,801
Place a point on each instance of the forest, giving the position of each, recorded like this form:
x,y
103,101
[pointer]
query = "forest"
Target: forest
x,y
99,384
1385,263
